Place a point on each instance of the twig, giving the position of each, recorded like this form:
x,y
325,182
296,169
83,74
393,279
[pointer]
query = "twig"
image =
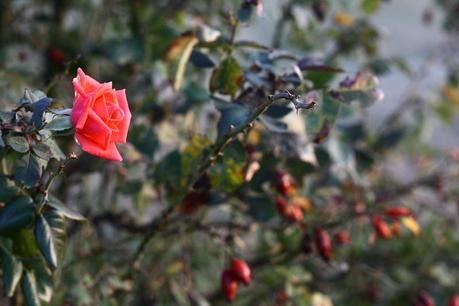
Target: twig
x,y
216,151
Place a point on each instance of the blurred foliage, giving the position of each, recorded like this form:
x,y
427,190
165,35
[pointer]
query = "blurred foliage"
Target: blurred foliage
x,y
237,148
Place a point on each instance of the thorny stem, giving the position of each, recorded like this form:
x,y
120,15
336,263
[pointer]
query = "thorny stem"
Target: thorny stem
x,y
216,151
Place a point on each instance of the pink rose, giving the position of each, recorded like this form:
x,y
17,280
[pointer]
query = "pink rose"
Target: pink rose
x,y
100,115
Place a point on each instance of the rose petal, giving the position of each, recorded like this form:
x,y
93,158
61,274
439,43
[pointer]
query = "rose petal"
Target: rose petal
x,y
87,145
87,82
96,130
123,126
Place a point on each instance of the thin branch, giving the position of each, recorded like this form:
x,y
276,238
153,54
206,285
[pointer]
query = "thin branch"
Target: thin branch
x,y
216,151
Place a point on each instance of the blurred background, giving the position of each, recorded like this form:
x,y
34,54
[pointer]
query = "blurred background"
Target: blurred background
x,y
412,134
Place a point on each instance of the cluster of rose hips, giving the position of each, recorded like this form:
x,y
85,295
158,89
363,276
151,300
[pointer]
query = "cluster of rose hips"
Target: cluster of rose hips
x,y
383,229
286,186
239,272
425,299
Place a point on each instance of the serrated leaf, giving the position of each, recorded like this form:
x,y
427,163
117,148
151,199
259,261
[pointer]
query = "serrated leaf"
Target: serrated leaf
x,y
38,109
227,77
178,55
29,171
17,214
18,144
59,124
45,241
29,289
67,212
12,272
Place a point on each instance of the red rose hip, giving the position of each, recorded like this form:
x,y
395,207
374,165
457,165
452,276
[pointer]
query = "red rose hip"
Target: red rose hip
x,y
241,271
229,285
323,243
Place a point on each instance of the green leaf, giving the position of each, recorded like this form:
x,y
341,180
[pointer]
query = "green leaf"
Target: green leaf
x,y
227,78
29,171
169,170
7,117
45,241
144,139
178,55
231,115
54,148
38,109
327,109
201,60
299,168
245,13
56,221
391,137
29,289
277,111
25,244
12,272
8,190
17,214
33,95
262,208
370,6
59,124
18,143
67,212
42,150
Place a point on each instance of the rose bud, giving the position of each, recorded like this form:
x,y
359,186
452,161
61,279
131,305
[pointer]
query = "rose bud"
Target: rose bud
x,y
424,299
229,285
454,300
381,227
343,237
294,213
241,271
397,212
282,205
100,115
323,243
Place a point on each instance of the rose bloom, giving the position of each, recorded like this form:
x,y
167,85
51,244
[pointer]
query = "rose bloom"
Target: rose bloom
x,y
100,115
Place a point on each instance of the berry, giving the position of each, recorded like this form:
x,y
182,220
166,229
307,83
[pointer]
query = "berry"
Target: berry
x,y
56,55
282,205
397,212
381,227
241,271
454,300
424,299
285,184
294,213
323,243
343,237
229,285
